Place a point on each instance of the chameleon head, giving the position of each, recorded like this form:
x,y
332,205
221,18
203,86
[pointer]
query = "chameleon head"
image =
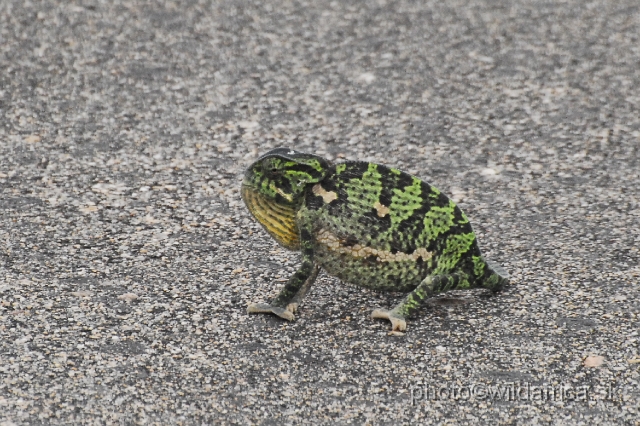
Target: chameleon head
x,y
273,188
282,174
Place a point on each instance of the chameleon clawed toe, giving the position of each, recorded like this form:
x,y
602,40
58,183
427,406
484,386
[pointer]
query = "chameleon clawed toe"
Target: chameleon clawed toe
x,y
398,322
265,308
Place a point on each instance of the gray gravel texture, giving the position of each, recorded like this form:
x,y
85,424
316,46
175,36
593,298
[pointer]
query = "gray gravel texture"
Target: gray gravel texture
x,y
127,258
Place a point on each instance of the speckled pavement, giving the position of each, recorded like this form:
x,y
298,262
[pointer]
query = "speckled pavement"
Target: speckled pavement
x,y
127,258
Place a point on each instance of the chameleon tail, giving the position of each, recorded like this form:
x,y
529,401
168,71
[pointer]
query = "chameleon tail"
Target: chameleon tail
x,y
495,278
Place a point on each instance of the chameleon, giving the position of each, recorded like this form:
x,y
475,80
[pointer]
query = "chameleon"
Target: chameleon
x,y
367,224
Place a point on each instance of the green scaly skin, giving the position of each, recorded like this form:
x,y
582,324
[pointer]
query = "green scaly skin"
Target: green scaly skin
x,y
367,224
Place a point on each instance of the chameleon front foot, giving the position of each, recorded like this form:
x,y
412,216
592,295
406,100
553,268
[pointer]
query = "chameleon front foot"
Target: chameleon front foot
x,y
265,308
397,321
292,307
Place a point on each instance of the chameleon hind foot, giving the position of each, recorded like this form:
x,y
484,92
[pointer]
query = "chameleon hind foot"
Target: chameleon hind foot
x,y
397,321
265,308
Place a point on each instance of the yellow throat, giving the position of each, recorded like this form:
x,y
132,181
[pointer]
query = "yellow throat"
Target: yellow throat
x,y
278,220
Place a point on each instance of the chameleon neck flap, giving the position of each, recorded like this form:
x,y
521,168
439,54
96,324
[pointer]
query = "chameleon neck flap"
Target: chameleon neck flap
x,y
277,219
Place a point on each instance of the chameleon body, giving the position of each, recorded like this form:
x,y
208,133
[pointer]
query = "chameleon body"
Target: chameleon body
x,y
369,225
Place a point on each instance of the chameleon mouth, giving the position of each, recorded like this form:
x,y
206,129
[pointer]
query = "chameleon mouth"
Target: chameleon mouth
x,y
277,219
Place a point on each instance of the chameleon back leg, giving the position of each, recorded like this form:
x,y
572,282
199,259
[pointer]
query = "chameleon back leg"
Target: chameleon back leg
x,y
430,286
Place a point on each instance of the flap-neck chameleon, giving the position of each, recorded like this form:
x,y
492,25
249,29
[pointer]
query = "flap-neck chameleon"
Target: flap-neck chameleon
x,y
369,225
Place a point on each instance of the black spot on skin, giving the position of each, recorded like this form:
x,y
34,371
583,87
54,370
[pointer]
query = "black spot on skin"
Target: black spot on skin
x,y
305,235
374,223
392,180
372,234
329,182
313,202
371,259
315,175
396,279
350,241
354,169
385,196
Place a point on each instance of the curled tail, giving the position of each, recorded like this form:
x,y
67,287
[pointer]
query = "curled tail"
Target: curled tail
x,y
495,278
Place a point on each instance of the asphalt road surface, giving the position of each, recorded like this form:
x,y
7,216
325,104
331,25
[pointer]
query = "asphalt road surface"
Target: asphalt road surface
x,y
127,258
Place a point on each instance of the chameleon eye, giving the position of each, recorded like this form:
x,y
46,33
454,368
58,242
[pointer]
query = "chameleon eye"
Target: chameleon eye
x,y
269,167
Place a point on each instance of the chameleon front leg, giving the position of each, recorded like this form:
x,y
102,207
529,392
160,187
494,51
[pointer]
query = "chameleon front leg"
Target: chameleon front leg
x,y
291,295
428,287
295,301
